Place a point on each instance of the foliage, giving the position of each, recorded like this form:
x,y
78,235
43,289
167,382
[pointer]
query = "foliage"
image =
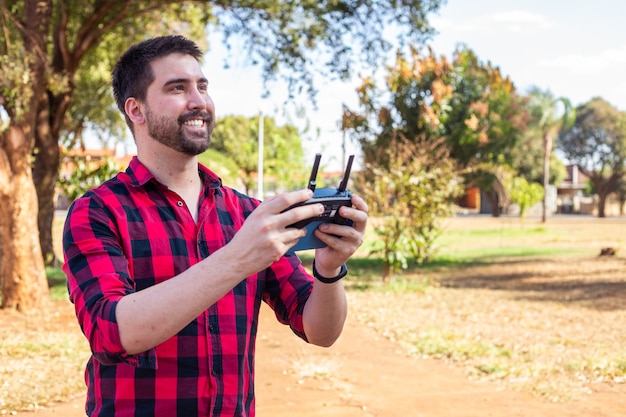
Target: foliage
x,y
485,122
409,178
327,38
413,103
51,48
527,159
409,197
222,165
596,142
486,116
525,194
87,176
549,115
237,138
470,104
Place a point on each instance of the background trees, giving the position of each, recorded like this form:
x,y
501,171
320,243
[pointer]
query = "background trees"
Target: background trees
x,y
409,198
50,47
236,137
44,48
597,144
485,122
410,180
549,114
55,59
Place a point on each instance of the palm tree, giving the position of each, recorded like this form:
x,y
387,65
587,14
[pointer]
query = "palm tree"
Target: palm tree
x,y
550,115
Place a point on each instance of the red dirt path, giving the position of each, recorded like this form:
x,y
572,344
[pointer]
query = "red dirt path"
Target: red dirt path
x,y
365,375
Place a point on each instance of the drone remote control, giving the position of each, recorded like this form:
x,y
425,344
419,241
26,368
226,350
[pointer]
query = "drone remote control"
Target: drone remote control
x,y
331,198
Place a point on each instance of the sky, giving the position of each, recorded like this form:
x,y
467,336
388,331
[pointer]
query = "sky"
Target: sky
x,y
575,49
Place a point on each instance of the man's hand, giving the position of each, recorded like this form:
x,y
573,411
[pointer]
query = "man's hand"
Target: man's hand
x,y
265,237
342,241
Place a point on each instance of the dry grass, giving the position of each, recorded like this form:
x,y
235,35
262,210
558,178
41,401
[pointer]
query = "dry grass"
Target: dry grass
x,y
550,324
42,358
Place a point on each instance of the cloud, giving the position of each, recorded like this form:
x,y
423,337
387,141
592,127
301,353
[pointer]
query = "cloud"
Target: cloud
x,y
588,64
522,17
517,21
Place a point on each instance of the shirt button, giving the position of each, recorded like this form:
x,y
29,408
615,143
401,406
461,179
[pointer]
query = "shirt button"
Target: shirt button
x,y
180,204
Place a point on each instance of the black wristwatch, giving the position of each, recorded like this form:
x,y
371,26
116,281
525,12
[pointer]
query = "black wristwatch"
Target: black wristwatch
x,y
342,273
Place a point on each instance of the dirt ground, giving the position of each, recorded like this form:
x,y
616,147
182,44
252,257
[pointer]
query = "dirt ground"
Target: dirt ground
x,y
368,372
364,374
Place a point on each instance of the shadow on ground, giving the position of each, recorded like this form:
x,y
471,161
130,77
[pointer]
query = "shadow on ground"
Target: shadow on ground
x,y
592,282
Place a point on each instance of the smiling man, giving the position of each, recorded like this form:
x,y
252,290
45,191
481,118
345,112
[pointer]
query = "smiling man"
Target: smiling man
x,y
167,267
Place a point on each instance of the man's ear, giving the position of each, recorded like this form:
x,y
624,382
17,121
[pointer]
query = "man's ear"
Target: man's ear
x,y
134,110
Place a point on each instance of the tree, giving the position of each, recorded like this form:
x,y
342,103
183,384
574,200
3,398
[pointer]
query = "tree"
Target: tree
x,y
237,138
528,158
525,194
596,142
46,51
549,115
621,194
413,103
409,198
485,122
43,46
409,179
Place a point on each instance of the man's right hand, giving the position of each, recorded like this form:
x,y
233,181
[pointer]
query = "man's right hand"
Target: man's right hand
x,y
265,237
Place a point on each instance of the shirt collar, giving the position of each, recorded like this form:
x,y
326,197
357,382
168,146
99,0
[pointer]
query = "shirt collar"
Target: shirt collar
x,y
140,175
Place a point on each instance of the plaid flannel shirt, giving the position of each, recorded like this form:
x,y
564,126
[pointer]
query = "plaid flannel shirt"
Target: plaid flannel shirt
x,y
133,232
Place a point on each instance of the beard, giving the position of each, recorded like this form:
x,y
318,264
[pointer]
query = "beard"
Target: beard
x,y
172,134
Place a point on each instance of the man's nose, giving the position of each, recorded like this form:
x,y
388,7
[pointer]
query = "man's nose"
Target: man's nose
x,y
197,99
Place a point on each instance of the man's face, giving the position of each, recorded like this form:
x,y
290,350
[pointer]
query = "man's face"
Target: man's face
x,y
179,111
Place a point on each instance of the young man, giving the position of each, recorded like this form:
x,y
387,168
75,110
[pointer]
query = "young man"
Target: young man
x,y
167,267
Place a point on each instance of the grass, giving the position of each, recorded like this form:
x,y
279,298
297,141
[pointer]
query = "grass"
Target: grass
x,y
530,306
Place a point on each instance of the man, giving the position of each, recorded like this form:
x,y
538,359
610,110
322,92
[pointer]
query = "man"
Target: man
x,y
167,267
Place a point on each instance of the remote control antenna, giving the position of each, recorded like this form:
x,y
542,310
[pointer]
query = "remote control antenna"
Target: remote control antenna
x,y
346,175
313,177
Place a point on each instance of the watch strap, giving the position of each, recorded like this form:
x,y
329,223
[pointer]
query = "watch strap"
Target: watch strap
x,y
342,273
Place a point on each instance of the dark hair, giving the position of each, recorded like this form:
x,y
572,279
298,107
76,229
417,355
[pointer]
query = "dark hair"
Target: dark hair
x,y
133,74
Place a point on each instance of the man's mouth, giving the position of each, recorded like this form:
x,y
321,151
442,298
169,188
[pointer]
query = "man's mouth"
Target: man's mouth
x,y
194,123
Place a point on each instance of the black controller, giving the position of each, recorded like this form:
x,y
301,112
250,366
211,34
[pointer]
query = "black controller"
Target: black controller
x,y
331,198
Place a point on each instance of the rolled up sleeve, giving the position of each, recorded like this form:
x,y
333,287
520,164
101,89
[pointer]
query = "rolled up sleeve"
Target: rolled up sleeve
x,y
97,278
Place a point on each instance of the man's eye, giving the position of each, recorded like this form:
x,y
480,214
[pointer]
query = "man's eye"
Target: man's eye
x,y
178,88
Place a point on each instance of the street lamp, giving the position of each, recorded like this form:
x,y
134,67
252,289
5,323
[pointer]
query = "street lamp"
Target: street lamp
x,y
260,163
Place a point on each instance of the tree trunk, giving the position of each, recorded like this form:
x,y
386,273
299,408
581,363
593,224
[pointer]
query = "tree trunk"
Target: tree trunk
x,y
387,272
45,173
602,204
23,277
494,201
547,150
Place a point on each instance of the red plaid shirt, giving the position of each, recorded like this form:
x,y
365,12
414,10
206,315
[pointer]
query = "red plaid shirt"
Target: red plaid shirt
x,y
131,233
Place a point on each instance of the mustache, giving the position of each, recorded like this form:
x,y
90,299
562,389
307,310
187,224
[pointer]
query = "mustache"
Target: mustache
x,y
198,114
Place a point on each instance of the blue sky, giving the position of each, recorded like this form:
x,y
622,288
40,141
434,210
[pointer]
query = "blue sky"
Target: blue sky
x,y
575,49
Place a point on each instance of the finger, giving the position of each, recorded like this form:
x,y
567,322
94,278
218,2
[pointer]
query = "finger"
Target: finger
x,y
278,203
359,203
300,213
358,217
342,239
341,232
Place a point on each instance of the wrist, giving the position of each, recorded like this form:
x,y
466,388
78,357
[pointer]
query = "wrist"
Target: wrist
x,y
343,271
